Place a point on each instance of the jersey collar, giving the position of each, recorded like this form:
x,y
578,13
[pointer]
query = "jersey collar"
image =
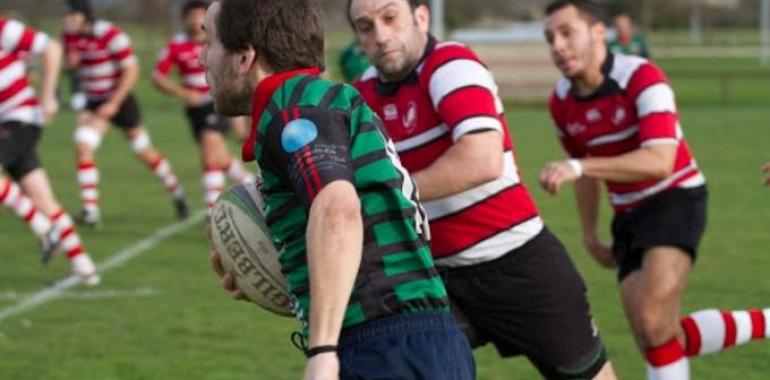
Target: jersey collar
x,y
608,86
262,95
390,88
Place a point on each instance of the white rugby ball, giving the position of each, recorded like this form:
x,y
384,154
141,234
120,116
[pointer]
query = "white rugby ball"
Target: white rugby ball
x,y
241,236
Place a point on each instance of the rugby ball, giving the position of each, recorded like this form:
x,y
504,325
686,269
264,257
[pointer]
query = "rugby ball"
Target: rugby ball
x,y
241,236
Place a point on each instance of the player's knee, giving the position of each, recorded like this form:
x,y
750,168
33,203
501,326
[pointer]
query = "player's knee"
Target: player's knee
x,y
588,366
653,326
87,137
141,142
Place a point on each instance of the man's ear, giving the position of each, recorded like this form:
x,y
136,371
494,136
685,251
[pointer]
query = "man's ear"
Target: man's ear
x,y
599,31
422,17
246,60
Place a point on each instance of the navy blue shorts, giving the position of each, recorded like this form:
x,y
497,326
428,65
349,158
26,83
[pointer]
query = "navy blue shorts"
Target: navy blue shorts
x,y
426,346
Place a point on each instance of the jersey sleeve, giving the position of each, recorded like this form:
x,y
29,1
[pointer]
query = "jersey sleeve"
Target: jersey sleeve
x,y
164,62
18,38
570,146
463,92
313,151
119,45
655,106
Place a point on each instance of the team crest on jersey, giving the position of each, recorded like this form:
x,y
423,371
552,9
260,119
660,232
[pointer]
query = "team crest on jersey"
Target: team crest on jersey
x,y
620,115
575,129
593,115
410,119
390,112
298,134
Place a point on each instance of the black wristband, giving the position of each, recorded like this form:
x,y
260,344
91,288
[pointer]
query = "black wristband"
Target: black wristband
x,y
320,350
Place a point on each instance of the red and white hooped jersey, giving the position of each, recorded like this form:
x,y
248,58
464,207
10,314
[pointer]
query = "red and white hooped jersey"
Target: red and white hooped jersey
x,y
633,108
451,94
104,54
183,53
17,98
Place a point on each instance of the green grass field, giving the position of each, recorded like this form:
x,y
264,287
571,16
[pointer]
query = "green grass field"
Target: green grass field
x,y
174,321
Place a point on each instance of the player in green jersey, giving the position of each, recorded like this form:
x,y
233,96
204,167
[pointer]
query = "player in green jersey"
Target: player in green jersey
x,y
343,212
627,40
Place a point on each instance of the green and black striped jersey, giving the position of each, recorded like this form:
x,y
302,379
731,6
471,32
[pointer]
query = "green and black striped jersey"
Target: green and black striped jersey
x,y
309,132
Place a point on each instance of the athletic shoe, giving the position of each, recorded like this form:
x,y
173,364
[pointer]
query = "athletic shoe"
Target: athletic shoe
x,y
92,219
84,268
48,244
182,209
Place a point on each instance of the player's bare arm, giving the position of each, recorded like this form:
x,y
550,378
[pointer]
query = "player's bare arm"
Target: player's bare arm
x,y
125,85
587,194
334,247
474,160
651,162
168,86
52,60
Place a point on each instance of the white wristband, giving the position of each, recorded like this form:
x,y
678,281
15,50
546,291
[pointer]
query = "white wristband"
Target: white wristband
x,y
577,167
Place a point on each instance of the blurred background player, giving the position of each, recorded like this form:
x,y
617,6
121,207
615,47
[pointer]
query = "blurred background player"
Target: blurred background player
x,y
627,39
21,120
108,71
208,128
616,117
509,278
766,169
353,62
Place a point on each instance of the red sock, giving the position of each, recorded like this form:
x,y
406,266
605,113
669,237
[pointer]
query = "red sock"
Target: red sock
x,y
68,236
88,178
667,362
710,331
162,170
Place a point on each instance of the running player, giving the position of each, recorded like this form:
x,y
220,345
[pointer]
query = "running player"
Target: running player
x,y
766,169
21,119
339,205
616,117
208,128
108,71
509,278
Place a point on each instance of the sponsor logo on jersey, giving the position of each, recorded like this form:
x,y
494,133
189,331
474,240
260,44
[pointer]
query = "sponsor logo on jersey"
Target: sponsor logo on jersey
x,y
593,115
298,134
620,115
410,119
390,112
575,128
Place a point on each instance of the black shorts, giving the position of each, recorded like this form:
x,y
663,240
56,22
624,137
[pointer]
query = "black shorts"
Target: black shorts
x,y
530,302
205,118
675,217
128,116
18,155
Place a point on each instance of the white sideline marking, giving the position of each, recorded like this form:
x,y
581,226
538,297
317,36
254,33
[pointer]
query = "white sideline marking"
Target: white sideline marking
x,y
87,294
43,296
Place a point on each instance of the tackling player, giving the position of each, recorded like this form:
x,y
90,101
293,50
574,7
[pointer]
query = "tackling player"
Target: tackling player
x,y
341,209
22,117
108,71
509,278
616,117
208,128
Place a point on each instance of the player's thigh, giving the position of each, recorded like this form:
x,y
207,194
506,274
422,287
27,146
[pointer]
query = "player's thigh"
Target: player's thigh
x,y
37,187
214,148
87,119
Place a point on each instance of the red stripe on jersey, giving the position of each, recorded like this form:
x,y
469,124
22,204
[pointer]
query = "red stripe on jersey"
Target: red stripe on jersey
x,y
758,324
481,221
19,85
453,108
731,330
692,335
658,126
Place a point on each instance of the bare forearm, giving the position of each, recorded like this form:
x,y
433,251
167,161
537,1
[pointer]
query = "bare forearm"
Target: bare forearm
x,y
587,193
52,59
473,161
640,165
126,83
167,86
334,248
